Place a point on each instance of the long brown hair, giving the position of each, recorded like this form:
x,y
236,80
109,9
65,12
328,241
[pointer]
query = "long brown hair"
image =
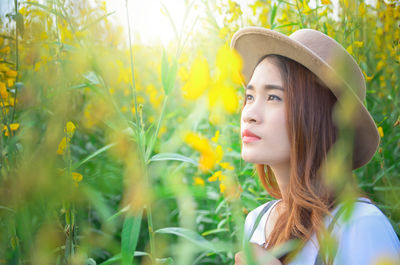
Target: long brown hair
x,y
312,132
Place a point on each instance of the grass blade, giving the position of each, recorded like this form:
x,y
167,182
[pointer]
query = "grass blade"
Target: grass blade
x,y
130,236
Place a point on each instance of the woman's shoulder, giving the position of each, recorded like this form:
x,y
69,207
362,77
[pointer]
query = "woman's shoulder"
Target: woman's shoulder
x,y
362,209
366,235
253,214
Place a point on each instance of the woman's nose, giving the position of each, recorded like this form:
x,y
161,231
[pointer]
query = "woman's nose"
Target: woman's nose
x,y
251,114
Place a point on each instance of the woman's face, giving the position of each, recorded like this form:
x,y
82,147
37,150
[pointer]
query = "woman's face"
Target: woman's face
x,y
264,115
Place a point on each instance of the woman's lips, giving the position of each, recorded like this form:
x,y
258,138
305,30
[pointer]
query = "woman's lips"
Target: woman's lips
x,y
249,139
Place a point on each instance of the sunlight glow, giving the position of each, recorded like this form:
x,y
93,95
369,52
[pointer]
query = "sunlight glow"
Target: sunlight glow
x,y
148,20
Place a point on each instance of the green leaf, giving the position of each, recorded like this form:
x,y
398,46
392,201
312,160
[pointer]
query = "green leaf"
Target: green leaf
x,y
173,156
90,261
101,150
97,20
168,261
45,8
92,77
172,76
196,239
97,199
168,73
126,208
273,14
130,236
20,23
214,231
286,25
164,71
118,257
112,260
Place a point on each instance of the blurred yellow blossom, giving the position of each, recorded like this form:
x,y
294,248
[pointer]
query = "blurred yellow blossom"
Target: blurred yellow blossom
x,y
380,65
209,156
77,177
229,65
198,80
367,78
13,127
226,96
349,49
11,73
3,90
198,181
5,49
380,130
219,176
362,9
70,129
226,165
215,176
326,2
62,145
222,187
358,44
215,138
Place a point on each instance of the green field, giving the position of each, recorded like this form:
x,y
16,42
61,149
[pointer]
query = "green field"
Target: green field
x,y
118,151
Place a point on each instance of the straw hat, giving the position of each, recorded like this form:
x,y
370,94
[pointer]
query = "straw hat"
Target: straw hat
x,y
328,60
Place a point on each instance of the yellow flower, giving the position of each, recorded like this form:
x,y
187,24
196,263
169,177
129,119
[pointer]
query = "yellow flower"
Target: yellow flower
x,y
367,78
358,44
207,161
62,145
209,156
229,65
215,176
13,127
326,2
350,49
380,130
5,49
10,82
70,129
225,95
222,187
380,65
306,8
11,73
226,165
198,181
362,9
3,90
215,138
77,178
197,142
219,176
199,78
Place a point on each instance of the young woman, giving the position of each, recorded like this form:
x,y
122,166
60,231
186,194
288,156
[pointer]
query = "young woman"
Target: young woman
x,y
295,86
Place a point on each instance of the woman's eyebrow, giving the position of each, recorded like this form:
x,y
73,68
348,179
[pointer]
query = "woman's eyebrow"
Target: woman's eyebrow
x,y
266,87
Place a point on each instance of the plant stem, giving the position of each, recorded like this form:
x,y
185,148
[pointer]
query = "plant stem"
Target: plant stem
x,y
151,232
17,59
133,85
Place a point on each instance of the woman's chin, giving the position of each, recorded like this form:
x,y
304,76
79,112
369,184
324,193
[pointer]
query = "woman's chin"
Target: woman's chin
x,y
250,158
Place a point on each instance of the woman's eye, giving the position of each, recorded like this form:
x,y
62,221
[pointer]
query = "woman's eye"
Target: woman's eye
x,y
247,97
272,97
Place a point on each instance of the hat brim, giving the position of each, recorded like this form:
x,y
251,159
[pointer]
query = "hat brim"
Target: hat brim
x,y
254,42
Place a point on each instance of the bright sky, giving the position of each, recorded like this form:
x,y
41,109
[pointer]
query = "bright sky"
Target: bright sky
x,y
153,26
148,20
